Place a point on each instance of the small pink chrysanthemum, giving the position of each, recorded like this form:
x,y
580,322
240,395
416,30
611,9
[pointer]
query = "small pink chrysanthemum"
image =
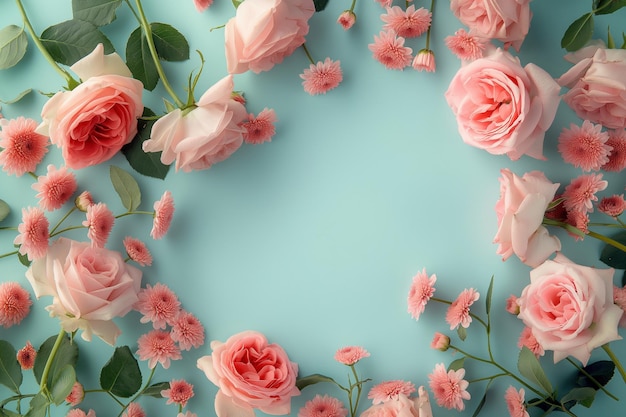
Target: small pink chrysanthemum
x,y
158,305
157,346
527,339
585,146
134,410
385,3
347,19
179,392
22,148
511,305
202,5
440,342
619,298
617,157
76,395
579,220
163,214
422,289
465,46
409,23
350,355
424,61
389,50
390,390
99,224
612,206
581,192
34,234
322,77
137,251
458,313
325,406
14,303
83,201
449,388
260,128
187,331
77,412
55,188
26,356
515,402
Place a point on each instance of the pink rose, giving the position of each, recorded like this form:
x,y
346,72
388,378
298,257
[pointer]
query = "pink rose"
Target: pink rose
x,y
402,406
523,202
90,287
207,134
597,85
501,107
250,374
570,308
264,32
93,121
505,20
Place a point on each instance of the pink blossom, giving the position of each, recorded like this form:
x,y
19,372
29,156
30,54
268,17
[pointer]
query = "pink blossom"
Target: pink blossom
x,y
77,412
157,346
134,410
390,390
409,23
389,50
260,128
34,234
76,395
137,251
22,148
26,356
55,188
585,147
385,3
83,201
515,402
422,289
179,392
322,77
163,214
581,192
347,19
99,224
578,219
458,313
511,305
465,46
187,331
440,342
449,388
350,355
202,5
612,206
424,61
617,157
158,305
14,303
619,298
325,406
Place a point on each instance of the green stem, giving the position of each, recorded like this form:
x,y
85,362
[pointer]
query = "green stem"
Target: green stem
x,y
578,232
70,211
489,378
67,229
615,360
588,375
354,4
147,384
46,370
129,213
359,388
432,15
6,255
308,54
607,240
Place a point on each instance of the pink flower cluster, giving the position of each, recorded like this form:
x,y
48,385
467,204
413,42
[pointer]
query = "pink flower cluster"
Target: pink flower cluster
x,y
393,398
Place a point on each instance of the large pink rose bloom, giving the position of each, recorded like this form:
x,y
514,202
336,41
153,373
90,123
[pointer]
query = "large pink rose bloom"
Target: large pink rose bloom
x,y
570,308
264,32
251,374
520,210
505,20
597,85
90,286
207,134
501,107
93,121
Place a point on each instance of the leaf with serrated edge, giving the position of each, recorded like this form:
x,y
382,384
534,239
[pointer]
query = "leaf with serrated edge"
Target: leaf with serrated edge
x,y
578,33
529,366
170,44
62,384
72,40
10,370
139,60
38,406
98,12
126,187
13,44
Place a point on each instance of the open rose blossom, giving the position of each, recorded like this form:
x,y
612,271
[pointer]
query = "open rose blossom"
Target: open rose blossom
x,y
93,121
264,32
251,374
501,107
570,308
90,286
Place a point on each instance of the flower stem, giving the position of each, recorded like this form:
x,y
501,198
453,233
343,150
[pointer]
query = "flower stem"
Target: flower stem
x,y
474,316
432,14
308,54
70,211
354,4
46,370
607,240
615,360
6,255
588,375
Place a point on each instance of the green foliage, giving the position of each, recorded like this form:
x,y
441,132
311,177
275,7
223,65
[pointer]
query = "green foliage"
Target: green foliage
x,y
10,370
69,41
613,256
312,379
480,405
578,33
23,259
601,372
456,364
462,332
4,210
170,44
145,163
126,187
608,6
18,97
489,295
320,5
66,355
529,366
154,390
62,384
121,374
38,406
8,413
13,43
580,395
98,12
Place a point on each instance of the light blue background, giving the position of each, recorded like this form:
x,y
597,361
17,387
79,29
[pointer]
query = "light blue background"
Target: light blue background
x,y
313,239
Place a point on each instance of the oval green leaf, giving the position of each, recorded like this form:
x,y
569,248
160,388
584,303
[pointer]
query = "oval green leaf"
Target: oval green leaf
x,y
13,43
10,370
154,390
456,364
311,380
67,354
126,187
98,12
69,41
529,366
4,210
140,61
145,163
578,33
170,44
121,375
62,384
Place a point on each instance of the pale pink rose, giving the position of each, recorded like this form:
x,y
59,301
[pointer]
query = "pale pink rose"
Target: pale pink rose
x,y
504,20
93,121
597,84
570,308
403,406
251,374
264,32
520,210
90,286
208,134
501,107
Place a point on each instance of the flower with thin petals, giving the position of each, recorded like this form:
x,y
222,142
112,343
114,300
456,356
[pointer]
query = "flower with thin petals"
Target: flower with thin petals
x,y
388,49
617,158
619,298
163,214
76,395
137,251
527,339
179,392
83,201
99,224
14,303
325,406
449,388
440,342
202,5
322,77
158,346
159,305
580,194
390,390
515,402
350,355
424,61
347,19
55,188
511,305
77,412
585,146
26,356
612,206
409,23
187,331
458,313
580,220
134,410
22,148
465,46
260,128
34,234
422,289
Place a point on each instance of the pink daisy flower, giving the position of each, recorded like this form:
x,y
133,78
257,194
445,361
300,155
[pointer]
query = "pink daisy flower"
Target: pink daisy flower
x,y
179,392
389,50
202,5
515,402
424,61
34,234
26,356
390,390
23,148
465,46
260,128
612,206
422,289
350,355
14,303
458,313
76,395
158,346
440,342
580,194
83,201
137,251
617,158
527,339
449,388
325,406
347,19
584,147
187,331
55,188
409,23
99,224
322,77
158,305
134,410
163,213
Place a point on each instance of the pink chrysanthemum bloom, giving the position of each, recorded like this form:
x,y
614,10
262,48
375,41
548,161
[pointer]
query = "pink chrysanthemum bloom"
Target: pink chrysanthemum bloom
x,y
26,356
163,214
202,5
260,128
527,339
580,194
409,23
422,289
449,388
458,313
22,148
14,303
579,220
325,406
322,77
424,61
76,395
187,331
347,19
612,206
515,402
55,188
99,224
465,46
158,305
619,298
390,390
385,3
440,342
134,410
157,346
77,412
137,251
617,158
389,50
34,234
179,392
585,146
511,305
83,201
350,355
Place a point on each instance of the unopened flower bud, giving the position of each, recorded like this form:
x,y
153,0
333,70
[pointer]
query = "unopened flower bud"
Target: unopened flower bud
x,y
83,201
347,19
424,61
440,342
511,305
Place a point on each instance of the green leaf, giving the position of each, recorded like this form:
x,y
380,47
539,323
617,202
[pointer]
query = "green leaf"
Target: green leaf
x,y
154,390
139,60
126,187
13,43
17,98
236,3
23,258
612,256
320,5
38,406
578,33
610,42
530,367
480,404
145,163
98,12
62,384
609,6
121,374
4,210
10,370
488,298
601,371
66,355
71,40
170,44
462,332
623,41
312,379
8,413
581,395
456,364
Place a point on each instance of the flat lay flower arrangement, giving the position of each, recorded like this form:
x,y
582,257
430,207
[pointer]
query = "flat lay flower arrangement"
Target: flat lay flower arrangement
x,y
81,274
